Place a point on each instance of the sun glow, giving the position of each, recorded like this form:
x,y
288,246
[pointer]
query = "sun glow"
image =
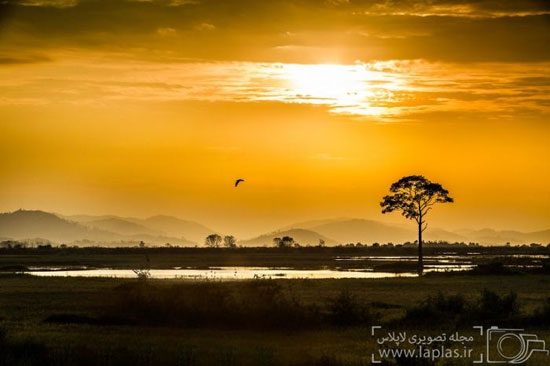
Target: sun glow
x,y
352,89
385,91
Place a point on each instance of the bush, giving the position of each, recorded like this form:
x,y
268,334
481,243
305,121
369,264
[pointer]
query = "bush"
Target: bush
x,y
492,307
455,310
494,268
261,304
438,309
21,352
70,318
256,304
541,316
545,267
345,310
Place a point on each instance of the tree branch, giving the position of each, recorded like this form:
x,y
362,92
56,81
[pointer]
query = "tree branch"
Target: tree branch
x,y
428,202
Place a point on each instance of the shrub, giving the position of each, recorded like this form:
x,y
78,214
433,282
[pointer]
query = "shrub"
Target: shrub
x,y
493,268
21,352
345,310
439,309
541,316
492,307
455,310
257,304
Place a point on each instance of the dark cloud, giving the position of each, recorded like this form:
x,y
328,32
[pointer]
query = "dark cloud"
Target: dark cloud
x,y
458,8
532,81
286,31
16,60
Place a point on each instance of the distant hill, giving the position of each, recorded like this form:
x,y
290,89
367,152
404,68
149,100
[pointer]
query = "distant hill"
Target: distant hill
x,y
491,236
542,236
435,234
177,227
301,236
123,227
86,218
168,226
314,223
28,225
112,230
23,224
364,231
369,231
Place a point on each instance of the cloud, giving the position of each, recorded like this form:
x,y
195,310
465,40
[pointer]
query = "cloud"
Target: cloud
x,y
542,81
166,31
380,90
454,8
484,56
283,30
205,27
49,3
22,59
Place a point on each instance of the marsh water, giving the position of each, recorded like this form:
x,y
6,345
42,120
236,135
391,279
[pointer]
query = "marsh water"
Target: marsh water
x,y
219,273
363,267
343,267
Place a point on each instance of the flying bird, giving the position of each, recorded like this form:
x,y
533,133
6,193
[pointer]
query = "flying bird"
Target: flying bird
x,y
238,181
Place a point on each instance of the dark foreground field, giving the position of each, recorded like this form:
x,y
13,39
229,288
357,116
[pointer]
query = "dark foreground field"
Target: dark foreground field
x,y
87,321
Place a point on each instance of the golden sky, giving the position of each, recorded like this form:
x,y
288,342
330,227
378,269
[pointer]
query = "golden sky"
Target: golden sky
x,y
142,107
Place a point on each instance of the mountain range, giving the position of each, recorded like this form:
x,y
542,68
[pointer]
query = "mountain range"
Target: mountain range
x,y
155,225
100,230
352,230
158,230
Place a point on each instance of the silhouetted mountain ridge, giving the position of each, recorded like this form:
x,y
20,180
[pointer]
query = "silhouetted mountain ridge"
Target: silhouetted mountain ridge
x,y
31,224
365,231
155,225
162,229
22,224
122,226
174,226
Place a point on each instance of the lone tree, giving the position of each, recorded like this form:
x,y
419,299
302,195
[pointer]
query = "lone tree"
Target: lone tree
x,y
414,196
213,241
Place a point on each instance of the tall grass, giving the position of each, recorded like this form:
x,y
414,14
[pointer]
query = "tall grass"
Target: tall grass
x,y
456,310
261,304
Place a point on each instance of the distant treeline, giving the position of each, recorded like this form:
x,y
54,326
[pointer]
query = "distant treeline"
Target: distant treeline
x,y
431,248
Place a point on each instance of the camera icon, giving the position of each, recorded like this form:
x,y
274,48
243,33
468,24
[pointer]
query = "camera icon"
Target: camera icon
x,y
512,345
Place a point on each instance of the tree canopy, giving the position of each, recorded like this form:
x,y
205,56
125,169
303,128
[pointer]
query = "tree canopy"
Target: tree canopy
x,y
414,196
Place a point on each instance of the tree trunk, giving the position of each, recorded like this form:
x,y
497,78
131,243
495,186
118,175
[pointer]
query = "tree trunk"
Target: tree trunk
x,y
420,257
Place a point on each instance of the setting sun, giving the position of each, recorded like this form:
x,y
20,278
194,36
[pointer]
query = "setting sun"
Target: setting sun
x,y
346,88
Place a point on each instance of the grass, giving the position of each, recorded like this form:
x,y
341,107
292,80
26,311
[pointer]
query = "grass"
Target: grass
x,y
298,258
456,311
47,320
104,321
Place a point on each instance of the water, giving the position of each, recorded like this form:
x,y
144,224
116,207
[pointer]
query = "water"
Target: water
x,y
437,263
219,273
439,259
237,273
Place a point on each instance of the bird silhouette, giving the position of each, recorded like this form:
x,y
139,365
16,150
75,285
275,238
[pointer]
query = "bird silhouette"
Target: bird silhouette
x,y
238,181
